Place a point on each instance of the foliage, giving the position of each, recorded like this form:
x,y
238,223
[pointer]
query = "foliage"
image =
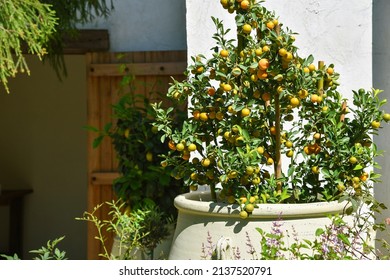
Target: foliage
x,y
336,241
28,22
268,124
50,252
142,229
142,181
38,27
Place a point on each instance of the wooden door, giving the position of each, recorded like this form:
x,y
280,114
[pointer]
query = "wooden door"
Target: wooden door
x,y
153,72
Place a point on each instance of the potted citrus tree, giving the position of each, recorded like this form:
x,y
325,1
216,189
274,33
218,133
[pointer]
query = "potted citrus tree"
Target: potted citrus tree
x,y
269,134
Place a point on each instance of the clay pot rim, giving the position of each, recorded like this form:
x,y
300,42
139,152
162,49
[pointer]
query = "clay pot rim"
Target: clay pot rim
x,y
200,203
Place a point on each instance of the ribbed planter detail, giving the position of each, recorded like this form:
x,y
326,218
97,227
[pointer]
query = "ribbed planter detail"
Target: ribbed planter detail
x,y
199,218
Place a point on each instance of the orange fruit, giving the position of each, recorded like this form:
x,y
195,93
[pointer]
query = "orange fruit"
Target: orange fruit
x,y
263,64
205,162
211,91
260,150
185,156
294,102
249,208
312,67
266,96
282,52
353,160
227,87
262,74
314,98
203,116
247,28
270,25
245,112
243,214
330,70
224,53
266,49
272,129
375,124
244,4
180,147
196,114
288,144
171,145
192,147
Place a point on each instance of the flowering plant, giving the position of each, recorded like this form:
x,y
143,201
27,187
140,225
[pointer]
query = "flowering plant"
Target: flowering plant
x,y
267,125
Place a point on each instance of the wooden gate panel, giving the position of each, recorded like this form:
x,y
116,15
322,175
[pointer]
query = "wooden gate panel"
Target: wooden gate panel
x,y
153,72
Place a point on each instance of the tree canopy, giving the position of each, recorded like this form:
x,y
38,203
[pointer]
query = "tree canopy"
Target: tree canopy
x,y
37,27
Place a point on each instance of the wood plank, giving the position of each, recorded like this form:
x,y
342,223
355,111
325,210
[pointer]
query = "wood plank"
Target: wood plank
x,y
103,178
138,69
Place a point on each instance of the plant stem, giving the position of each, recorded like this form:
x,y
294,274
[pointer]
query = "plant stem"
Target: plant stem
x,y
278,158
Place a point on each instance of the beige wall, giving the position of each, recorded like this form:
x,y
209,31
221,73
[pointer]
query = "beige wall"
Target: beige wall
x,y
43,147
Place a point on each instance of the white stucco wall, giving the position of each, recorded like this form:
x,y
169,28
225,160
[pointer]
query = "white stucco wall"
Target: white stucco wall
x,y
146,25
336,31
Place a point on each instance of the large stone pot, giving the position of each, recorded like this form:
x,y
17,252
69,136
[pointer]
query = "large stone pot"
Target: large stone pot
x,y
199,220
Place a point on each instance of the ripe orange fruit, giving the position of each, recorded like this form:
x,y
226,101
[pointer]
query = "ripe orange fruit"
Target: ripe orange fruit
x,y
244,4
196,114
266,49
245,112
270,25
186,156
211,91
171,145
262,74
247,28
272,129
224,53
314,98
312,67
364,176
270,161
263,64
330,70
